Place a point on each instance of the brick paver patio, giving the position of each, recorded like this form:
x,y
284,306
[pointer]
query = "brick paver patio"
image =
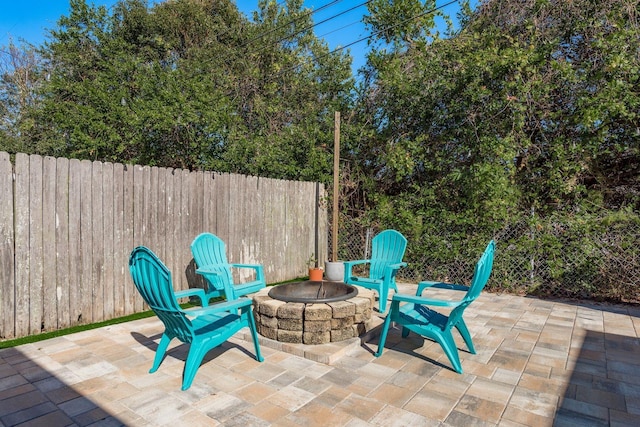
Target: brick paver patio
x,y
539,363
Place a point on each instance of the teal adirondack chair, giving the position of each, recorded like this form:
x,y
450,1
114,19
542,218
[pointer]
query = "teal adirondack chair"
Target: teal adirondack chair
x,y
415,316
203,328
387,251
210,254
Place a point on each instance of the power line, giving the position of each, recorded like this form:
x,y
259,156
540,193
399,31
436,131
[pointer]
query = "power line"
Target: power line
x,y
435,9
304,15
324,21
351,9
288,23
420,15
338,29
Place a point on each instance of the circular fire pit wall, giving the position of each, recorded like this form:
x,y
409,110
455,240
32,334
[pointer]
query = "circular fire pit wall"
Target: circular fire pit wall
x,y
313,312
313,292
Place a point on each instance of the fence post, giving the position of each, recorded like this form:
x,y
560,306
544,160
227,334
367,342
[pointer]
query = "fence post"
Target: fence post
x,y
367,243
533,238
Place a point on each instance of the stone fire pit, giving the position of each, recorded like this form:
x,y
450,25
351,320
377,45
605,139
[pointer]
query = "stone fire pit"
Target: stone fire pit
x,y
314,322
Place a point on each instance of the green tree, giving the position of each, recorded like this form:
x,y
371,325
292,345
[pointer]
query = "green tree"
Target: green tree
x,y
122,87
575,89
20,77
531,104
192,84
287,97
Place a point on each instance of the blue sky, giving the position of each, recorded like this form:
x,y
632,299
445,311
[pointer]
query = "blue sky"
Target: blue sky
x,y
29,19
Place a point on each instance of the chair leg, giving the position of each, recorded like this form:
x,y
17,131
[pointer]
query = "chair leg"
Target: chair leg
x,y
383,335
445,339
382,304
254,335
160,352
383,294
194,359
464,332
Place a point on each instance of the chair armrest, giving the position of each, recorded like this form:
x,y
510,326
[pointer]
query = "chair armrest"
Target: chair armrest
x,y
257,267
221,307
398,265
363,280
439,285
348,266
209,269
254,266
425,301
198,292
391,270
211,273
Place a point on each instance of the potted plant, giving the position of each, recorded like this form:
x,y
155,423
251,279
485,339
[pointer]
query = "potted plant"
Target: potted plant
x,y
334,271
315,272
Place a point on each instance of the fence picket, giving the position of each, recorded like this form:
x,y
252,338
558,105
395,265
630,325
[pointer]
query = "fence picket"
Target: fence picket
x,y
223,213
36,253
170,222
75,245
161,216
151,208
108,251
128,242
97,246
7,278
86,243
49,285
62,243
119,252
139,223
22,262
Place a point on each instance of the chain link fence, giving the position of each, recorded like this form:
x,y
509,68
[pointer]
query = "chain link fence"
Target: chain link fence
x,y
584,257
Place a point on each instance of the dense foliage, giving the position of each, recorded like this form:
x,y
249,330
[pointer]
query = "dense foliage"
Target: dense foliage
x,y
525,116
532,104
522,126
190,84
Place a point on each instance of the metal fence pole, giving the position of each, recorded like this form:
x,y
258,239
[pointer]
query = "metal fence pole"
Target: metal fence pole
x,y
367,243
533,238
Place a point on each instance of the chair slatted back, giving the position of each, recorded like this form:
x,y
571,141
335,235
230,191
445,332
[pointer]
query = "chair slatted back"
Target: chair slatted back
x,y
208,249
480,278
387,248
153,280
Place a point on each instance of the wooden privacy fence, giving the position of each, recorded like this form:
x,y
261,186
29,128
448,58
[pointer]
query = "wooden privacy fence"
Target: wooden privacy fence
x,y
67,228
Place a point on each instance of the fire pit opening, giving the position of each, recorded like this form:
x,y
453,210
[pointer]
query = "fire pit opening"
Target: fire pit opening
x,y
313,292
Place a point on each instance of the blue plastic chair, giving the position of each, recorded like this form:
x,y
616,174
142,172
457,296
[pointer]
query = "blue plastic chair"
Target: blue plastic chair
x,y
210,254
387,251
203,328
415,316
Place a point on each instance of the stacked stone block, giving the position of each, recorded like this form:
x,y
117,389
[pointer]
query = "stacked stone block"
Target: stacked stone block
x,y
313,323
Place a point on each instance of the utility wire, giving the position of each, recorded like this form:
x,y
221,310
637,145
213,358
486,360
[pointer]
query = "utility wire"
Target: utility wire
x,y
325,20
286,24
338,29
435,9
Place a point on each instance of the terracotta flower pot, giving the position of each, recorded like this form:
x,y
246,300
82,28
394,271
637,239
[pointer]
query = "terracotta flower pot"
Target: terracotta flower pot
x,y
315,274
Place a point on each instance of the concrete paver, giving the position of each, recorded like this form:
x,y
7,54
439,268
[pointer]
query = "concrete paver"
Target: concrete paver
x,y
538,363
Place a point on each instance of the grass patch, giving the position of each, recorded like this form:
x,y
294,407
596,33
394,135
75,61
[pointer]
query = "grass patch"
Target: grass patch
x,y
72,330
53,334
